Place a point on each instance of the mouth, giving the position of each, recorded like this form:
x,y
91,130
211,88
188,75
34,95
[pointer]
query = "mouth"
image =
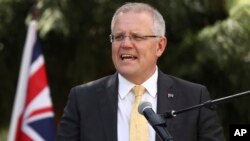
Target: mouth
x,y
128,57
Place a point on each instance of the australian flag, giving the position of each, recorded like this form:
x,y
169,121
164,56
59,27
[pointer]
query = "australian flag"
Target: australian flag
x,y
32,116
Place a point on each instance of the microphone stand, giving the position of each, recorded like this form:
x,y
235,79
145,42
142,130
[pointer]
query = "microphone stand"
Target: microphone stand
x,y
155,120
211,104
159,125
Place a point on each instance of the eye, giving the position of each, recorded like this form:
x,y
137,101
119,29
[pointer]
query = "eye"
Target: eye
x,y
137,37
119,37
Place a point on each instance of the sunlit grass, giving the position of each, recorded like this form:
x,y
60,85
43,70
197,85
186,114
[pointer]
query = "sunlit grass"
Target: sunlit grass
x,y
3,134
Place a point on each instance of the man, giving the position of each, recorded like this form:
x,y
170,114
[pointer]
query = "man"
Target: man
x,y
101,110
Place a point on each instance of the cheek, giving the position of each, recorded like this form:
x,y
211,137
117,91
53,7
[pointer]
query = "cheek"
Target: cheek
x,y
114,54
155,52
114,50
150,55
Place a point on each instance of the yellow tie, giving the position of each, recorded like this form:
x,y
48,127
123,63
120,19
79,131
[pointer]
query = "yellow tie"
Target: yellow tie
x,y
139,130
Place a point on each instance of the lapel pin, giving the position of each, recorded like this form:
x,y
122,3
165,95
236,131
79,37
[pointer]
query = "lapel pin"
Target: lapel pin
x,y
170,95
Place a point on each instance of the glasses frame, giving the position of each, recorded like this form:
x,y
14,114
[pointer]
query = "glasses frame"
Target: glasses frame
x,y
132,37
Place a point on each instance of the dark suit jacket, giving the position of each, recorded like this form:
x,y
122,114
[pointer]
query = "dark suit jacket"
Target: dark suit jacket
x,y
91,111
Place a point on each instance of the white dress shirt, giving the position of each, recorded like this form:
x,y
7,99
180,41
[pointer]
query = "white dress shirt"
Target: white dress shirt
x,y
126,99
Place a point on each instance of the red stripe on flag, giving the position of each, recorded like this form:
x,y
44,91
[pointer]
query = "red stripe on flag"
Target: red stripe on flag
x,y
37,82
20,135
39,111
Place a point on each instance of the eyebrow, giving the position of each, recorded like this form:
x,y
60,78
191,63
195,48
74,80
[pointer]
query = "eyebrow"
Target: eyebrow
x,y
132,33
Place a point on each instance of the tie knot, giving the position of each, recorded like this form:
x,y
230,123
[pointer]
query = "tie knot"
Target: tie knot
x,y
138,90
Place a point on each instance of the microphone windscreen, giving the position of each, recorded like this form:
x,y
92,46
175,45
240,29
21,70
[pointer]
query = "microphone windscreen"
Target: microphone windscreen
x,y
144,105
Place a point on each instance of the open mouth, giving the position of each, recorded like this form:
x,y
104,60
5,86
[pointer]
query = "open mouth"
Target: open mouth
x,y
128,56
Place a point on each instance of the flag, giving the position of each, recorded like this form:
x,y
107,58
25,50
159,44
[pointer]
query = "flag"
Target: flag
x,y
32,116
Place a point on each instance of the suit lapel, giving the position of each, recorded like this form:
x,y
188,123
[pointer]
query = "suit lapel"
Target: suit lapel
x,y
108,107
166,99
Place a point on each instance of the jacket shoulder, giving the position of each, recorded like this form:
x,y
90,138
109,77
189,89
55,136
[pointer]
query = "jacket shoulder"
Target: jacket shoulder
x,y
185,83
185,88
101,82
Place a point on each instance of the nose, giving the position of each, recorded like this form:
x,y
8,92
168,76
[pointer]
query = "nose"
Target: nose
x,y
126,38
126,42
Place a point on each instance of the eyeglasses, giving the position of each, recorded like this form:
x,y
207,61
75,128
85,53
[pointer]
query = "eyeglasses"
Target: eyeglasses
x,y
132,37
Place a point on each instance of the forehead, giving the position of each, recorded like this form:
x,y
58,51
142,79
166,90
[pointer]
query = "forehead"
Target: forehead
x,y
133,22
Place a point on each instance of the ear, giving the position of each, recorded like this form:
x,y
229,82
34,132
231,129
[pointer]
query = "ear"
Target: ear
x,y
162,44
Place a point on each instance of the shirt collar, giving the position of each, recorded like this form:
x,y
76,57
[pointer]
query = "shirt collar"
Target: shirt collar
x,y
124,86
150,84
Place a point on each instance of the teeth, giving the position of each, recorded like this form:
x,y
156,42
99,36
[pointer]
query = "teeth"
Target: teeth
x,y
127,56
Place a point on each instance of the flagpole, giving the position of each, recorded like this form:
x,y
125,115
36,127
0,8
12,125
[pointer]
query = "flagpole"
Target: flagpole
x,y
23,74
23,78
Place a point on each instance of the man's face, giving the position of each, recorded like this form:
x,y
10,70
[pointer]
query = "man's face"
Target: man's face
x,y
136,59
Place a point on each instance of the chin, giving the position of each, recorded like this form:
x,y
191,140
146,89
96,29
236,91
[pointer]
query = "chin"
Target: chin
x,y
126,72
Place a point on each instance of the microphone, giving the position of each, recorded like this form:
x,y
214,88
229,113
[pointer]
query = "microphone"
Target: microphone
x,y
155,120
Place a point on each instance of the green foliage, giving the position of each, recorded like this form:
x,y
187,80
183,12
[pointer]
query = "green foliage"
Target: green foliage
x,y
219,57
228,45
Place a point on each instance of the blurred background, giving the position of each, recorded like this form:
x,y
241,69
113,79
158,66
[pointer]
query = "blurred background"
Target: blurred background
x,y
208,43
